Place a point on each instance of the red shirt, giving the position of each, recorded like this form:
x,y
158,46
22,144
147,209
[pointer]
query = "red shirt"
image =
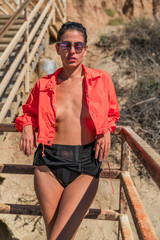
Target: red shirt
x,y
40,108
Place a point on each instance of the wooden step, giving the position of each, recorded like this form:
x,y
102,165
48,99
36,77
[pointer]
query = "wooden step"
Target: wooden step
x,y
4,46
35,210
15,27
17,21
9,39
3,16
6,40
10,34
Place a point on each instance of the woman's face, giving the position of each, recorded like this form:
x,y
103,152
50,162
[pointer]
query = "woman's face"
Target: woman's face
x,y
71,48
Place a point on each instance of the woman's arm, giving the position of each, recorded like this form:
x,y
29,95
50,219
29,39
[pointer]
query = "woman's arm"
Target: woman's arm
x,y
28,122
103,141
30,110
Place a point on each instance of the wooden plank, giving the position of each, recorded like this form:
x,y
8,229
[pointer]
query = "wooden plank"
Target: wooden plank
x,y
59,13
14,27
35,210
125,155
3,10
10,33
9,5
139,215
146,154
5,16
16,169
29,169
61,8
18,21
8,40
53,32
9,16
125,227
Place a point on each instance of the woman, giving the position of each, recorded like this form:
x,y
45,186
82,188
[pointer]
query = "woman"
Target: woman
x,y
74,109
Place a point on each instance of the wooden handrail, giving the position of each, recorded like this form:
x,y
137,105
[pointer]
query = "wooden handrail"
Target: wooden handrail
x,y
9,5
139,215
12,19
146,154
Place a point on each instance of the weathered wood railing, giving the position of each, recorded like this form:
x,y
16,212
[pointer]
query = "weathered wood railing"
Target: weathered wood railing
x,y
128,194
21,55
8,6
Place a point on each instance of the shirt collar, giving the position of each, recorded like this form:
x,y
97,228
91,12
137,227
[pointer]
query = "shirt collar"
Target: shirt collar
x,y
91,73
52,79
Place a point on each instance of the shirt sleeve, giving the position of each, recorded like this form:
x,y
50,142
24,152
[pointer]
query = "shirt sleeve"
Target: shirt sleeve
x,y
113,112
30,110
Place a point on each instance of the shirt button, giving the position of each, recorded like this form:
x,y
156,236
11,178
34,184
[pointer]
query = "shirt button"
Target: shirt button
x,y
93,113
86,95
48,141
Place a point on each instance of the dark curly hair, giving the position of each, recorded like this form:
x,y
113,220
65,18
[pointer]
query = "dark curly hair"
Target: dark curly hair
x,y
72,26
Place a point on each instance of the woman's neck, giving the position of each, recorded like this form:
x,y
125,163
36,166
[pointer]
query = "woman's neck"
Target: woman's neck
x,y
72,73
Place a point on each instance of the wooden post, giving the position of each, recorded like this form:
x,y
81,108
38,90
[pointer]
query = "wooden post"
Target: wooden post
x,y
54,16
125,155
27,52
125,162
64,1
46,42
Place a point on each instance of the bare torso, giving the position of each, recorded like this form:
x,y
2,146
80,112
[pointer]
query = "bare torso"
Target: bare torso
x,y
73,123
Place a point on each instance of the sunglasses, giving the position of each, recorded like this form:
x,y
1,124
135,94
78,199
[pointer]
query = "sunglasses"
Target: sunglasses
x,y
66,45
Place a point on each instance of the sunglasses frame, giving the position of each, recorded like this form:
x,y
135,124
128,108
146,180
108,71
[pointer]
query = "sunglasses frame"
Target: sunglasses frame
x,y
70,44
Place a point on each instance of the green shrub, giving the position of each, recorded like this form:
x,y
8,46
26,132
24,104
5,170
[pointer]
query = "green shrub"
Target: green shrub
x,y
116,21
103,37
110,12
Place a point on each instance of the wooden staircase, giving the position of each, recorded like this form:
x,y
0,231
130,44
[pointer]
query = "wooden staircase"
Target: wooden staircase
x,y
7,38
24,36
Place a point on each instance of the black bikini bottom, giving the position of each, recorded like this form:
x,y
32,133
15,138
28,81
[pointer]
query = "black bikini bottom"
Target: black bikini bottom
x,y
67,162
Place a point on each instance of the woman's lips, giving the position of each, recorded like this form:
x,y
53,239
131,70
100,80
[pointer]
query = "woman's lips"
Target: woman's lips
x,y
71,59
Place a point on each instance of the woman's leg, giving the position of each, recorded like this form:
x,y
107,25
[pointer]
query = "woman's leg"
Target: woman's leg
x,y
48,191
74,203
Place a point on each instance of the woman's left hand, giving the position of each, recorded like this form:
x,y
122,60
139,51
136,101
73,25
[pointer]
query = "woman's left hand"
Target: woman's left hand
x,y
102,145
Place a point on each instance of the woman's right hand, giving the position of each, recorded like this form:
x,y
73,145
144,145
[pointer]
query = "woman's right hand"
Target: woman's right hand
x,y
28,140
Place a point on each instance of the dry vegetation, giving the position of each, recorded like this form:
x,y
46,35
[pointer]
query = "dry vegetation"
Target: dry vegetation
x,y
136,49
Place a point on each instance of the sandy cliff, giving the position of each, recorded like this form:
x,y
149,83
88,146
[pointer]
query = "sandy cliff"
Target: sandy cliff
x,y
91,12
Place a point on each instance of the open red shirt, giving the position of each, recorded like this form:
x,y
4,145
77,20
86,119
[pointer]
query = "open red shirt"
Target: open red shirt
x,y
40,108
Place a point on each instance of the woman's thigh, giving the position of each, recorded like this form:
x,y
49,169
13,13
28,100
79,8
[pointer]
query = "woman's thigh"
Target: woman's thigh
x,y
75,201
48,191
